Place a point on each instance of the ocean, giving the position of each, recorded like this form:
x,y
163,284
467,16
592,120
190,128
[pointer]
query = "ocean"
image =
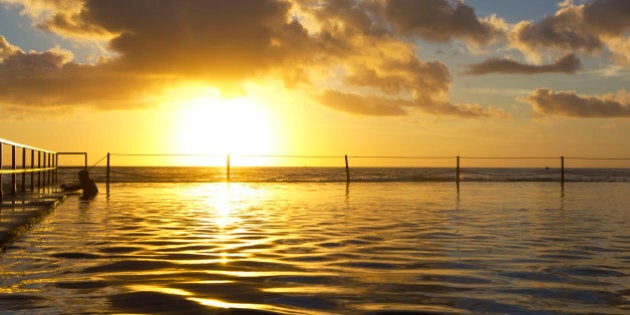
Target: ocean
x,y
357,174
303,241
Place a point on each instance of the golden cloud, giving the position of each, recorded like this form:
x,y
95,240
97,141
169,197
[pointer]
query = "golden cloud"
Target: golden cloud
x,y
155,44
546,102
567,64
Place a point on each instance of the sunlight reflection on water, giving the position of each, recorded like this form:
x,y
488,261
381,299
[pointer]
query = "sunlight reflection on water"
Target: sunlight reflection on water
x,y
314,248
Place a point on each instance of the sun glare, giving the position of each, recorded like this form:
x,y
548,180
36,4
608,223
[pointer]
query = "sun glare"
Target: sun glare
x,y
216,126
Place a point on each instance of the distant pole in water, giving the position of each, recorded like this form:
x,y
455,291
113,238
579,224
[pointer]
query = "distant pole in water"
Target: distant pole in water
x,y
228,168
107,173
457,170
562,170
347,170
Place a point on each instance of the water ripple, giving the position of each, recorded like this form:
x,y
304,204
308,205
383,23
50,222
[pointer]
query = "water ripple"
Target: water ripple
x,y
387,248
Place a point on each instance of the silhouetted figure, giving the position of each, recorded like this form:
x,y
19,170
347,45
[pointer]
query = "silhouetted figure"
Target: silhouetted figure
x,y
85,183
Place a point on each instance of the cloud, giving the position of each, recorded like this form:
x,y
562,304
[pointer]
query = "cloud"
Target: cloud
x,y
439,21
546,102
364,105
588,28
382,106
6,49
42,9
50,79
567,64
155,44
607,17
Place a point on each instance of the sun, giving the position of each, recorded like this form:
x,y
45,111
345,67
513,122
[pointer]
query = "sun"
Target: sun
x,y
213,125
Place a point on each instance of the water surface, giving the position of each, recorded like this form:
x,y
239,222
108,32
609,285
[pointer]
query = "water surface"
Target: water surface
x,y
325,248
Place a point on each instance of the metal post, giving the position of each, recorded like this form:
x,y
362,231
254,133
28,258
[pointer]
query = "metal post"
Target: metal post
x,y
50,172
562,170
39,172
457,171
107,173
44,173
56,165
1,192
347,170
32,173
228,169
13,175
23,185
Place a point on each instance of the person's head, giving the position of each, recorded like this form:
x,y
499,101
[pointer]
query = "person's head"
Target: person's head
x,y
84,176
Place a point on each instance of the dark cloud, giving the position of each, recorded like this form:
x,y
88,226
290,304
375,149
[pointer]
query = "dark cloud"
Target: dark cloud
x,y
587,27
381,106
550,103
394,76
567,64
155,44
364,105
50,79
352,16
222,39
609,17
438,20
563,31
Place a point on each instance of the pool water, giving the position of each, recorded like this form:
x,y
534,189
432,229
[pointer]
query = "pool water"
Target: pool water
x,y
328,248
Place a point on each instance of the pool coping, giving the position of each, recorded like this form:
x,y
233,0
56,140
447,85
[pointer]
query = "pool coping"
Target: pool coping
x,y
19,212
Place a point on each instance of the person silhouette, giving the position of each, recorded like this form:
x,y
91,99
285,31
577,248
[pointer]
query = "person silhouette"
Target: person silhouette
x,y
85,183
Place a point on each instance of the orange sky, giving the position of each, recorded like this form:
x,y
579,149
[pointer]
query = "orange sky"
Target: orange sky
x,y
298,77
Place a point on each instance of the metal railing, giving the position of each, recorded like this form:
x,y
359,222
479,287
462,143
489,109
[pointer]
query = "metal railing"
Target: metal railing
x,y
557,171
460,173
41,167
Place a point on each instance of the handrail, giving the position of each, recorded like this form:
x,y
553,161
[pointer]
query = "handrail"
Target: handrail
x,y
20,145
46,167
28,170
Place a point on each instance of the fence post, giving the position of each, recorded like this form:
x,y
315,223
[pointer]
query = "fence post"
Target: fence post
x,y
39,172
457,171
347,170
13,176
44,173
47,181
51,164
228,178
107,174
49,173
32,173
562,170
56,166
23,185
1,192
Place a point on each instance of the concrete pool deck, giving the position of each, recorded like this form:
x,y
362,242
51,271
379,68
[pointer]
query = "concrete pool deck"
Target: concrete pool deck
x,y
19,212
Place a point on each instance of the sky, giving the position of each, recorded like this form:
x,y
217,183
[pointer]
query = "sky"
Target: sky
x,y
309,77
